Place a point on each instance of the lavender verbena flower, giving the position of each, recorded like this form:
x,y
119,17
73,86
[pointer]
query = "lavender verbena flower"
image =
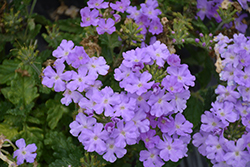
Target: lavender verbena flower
x,y
241,27
160,104
81,123
141,122
150,139
150,11
140,84
63,50
98,4
97,65
181,126
126,109
134,13
155,27
236,154
81,80
124,134
107,101
24,152
78,56
227,93
171,148
215,147
94,140
51,78
199,140
171,84
106,26
113,150
243,3
244,92
151,158
71,95
179,100
89,17
204,7
183,74
120,6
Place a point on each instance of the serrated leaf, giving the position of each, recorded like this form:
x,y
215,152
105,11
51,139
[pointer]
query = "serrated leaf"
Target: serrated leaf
x,y
8,131
22,89
7,71
65,152
194,110
32,134
110,40
55,112
21,110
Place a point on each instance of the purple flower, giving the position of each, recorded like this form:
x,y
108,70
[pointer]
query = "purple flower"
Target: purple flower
x,y
160,104
227,93
89,17
156,27
52,78
210,122
239,25
106,99
97,65
204,7
113,150
141,122
63,50
236,154
244,92
173,60
181,126
134,13
242,77
149,138
140,84
120,6
171,149
25,152
215,147
69,96
81,123
106,26
94,140
172,84
78,56
224,111
150,11
183,74
124,134
99,4
199,140
151,158
126,109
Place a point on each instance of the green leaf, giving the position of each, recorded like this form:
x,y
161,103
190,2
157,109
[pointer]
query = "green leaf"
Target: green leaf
x,y
55,112
8,131
7,70
194,110
22,90
110,40
65,152
32,134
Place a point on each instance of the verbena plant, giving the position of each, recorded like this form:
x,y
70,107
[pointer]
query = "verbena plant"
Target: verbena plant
x,y
125,84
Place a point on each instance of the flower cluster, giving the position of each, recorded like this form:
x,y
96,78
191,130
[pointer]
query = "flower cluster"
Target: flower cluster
x,y
153,101
209,9
224,135
146,17
25,152
155,90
